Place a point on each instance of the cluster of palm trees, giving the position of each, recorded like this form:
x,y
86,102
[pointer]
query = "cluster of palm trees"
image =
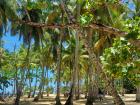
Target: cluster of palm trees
x,y
65,40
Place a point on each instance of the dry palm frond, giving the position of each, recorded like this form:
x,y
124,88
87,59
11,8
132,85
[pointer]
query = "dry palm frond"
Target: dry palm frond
x,y
100,44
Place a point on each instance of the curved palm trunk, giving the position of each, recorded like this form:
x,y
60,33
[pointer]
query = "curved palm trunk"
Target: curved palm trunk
x,y
108,81
109,85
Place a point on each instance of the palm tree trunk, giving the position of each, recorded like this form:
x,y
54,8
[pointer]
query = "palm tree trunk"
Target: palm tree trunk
x,y
47,82
29,95
40,85
78,88
70,98
122,87
17,89
1,51
108,81
109,84
59,48
35,84
90,98
3,92
18,95
75,71
44,84
86,83
28,74
138,94
14,86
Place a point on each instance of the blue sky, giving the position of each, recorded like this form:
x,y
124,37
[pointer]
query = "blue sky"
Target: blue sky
x,y
10,41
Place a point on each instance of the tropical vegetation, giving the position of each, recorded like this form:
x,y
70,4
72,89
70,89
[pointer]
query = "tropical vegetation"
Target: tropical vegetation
x,y
79,45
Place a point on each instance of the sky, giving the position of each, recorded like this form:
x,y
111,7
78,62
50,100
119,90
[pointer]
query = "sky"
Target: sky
x,y
10,41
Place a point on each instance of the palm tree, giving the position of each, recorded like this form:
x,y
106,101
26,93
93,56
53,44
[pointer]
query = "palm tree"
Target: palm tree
x,y
19,66
105,12
68,60
75,68
7,12
107,80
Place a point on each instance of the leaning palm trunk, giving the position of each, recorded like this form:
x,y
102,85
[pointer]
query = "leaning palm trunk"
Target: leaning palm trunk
x,y
108,81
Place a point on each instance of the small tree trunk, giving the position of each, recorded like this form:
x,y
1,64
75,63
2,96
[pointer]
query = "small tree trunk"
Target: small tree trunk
x,y
70,98
138,94
3,92
59,48
19,92
78,88
14,86
35,85
47,82
122,87
40,86
86,83
29,95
